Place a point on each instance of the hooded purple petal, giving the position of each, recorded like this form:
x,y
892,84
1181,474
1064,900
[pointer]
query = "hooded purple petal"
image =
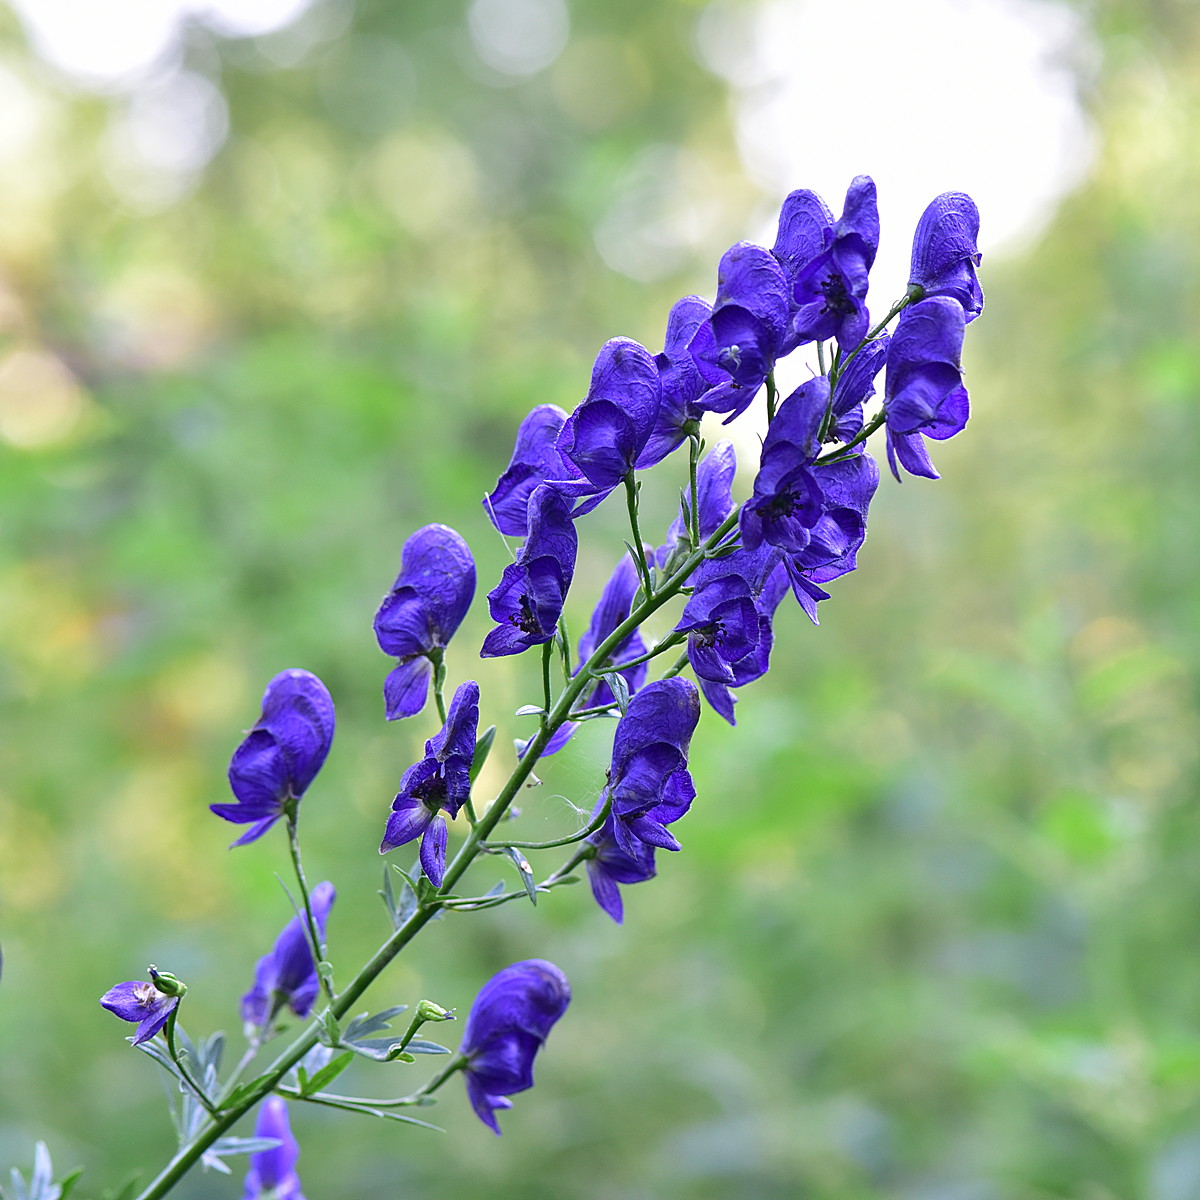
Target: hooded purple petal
x,y
140,1002
507,1025
805,230
945,252
528,600
282,754
535,460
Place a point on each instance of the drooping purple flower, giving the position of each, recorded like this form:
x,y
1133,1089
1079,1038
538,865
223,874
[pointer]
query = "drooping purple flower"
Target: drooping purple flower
x,y
610,866
418,617
847,487
787,501
272,1173
648,780
945,252
830,290
604,436
508,1024
141,1003
752,665
714,498
684,389
528,600
281,755
439,783
535,460
736,349
924,395
288,975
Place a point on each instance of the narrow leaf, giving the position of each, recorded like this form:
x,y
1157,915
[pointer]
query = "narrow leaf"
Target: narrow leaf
x,y
327,1074
524,870
483,747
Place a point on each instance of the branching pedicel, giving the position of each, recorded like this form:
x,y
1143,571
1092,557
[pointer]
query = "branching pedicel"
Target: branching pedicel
x,y
733,566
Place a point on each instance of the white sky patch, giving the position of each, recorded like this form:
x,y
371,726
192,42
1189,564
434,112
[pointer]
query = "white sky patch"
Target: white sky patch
x,y
925,96
111,45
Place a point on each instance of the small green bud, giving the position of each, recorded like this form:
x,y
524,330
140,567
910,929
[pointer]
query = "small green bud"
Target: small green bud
x,y
166,982
428,1011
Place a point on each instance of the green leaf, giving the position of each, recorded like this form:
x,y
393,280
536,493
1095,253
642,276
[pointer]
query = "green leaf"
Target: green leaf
x,y
531,710
325,971
524,870
483,747
330,1030
68,1182
326,1074
125,1191
243,1090
424,1046
620,690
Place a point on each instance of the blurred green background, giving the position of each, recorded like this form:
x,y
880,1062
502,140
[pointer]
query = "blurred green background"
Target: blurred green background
x,y
280,293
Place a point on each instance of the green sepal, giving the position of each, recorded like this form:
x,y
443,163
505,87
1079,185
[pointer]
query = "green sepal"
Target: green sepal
x,y
483,747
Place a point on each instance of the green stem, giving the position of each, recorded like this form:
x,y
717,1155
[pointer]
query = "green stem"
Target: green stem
x,y
861,436
577,836
547,694
772,397
669,642
677,666
310,922
693,460
910,297
631,502
197,1090
437,656
472,847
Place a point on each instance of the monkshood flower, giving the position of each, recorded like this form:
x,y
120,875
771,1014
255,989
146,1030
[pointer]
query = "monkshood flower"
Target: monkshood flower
x,y
281,755
847,487
945,252
439,783
272,1173
419,616
610,866
288,975
830,290
924,394
648,780
736,349
684,389
805,232
535,459
787,500
714,499
143,1004
754,664
508,1024
528,600
605,435
855,386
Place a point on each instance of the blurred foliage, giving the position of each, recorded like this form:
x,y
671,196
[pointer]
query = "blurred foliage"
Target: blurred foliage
x,y
934,933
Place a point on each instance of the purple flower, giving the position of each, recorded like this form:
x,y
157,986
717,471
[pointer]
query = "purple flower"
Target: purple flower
x,y
440,782
923,393
610,866
507,1025
418,617
787,501
288,974
749,329
604,436
141,1003
847,487
684,389
648,780
535,460
280,756
945,252
528,600
721,617
830,290
752,665
272,1173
